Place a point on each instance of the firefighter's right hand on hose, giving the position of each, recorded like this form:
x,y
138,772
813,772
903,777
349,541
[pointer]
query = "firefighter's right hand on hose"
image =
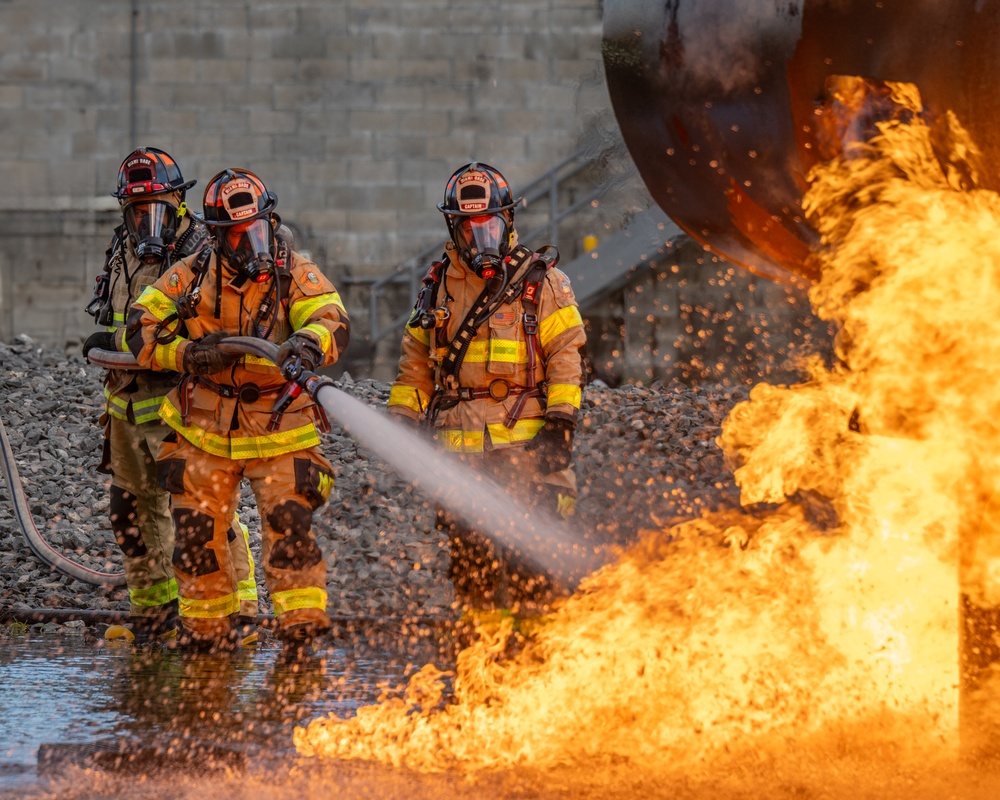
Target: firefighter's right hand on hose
x,y
101,340
202,357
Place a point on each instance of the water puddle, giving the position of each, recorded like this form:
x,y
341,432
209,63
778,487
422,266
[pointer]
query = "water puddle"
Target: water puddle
x,y
79,716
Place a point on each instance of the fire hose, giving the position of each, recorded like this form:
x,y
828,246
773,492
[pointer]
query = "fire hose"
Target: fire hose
x,y
48,555
107,359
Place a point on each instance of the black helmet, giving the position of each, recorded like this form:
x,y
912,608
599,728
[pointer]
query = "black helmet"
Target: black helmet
x,y
477,189
479,209
147,179
149,170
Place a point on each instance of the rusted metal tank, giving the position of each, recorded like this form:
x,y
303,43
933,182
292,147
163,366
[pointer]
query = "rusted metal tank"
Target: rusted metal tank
x,y
721,102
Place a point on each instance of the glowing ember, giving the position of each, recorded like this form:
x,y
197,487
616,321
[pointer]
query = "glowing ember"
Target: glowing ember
x,y
828,626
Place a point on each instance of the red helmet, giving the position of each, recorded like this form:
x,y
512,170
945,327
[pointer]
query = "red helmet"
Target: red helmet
x,y
149,170
479,209
235,196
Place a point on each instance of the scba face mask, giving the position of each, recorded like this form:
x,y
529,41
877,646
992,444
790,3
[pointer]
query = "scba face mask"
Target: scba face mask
x,y
250,247
151,226
483,242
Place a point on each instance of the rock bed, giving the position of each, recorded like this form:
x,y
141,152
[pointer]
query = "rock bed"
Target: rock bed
x,y
646,457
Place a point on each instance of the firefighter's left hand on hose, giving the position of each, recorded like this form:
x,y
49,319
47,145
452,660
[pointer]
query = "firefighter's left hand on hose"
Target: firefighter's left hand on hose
x,y
202,357
101,340
304,348
553,445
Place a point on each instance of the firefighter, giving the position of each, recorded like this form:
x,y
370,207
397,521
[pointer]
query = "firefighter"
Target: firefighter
x,y
229,414
156,229
492,361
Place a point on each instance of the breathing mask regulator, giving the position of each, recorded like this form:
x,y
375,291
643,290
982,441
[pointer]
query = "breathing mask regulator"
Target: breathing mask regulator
x,y
239,210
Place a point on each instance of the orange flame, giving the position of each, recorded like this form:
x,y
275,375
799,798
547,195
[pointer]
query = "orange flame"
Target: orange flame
x,y
831,622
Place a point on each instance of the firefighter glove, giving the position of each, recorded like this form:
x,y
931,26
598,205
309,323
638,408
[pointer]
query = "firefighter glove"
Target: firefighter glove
x,y
202,357
553,444
301,346
102,340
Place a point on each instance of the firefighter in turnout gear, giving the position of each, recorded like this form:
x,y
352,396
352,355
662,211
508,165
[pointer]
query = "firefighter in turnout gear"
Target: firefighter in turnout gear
x,y
492,360
156,230
234,416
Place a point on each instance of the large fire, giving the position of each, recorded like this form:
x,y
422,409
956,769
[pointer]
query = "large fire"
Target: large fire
x,y
827,627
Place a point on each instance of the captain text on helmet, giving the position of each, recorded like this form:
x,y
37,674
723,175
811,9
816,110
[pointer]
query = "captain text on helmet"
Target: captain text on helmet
x,y
156,229
492,361
225,417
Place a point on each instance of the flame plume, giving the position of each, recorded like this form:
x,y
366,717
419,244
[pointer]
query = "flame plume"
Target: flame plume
x,y
828,625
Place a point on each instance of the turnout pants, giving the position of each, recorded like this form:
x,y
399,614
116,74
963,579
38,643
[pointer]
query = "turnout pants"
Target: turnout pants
x,y
205,490
144,527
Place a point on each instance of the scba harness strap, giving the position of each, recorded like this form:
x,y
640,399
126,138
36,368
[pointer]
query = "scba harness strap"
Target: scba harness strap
x,y
528,289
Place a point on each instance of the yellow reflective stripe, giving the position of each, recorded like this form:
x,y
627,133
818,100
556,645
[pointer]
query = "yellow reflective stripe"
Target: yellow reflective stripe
x,y
157,595
114,402
239,448
292,599
565,505
320,331
156,303
508,351
477,353
561,320
118,318
246,589
325,485
305,308
165,355
458,441
461,441
522,431
215,608
422,335
257,361
142,410
409,397
564,393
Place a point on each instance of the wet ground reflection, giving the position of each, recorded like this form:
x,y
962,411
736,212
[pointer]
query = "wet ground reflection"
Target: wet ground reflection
x,y
71,703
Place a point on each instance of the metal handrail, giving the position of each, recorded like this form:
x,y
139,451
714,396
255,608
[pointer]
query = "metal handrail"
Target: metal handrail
x,y
412,270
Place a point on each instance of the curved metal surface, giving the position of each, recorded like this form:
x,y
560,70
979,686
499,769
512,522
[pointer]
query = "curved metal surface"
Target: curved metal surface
x,y
721,102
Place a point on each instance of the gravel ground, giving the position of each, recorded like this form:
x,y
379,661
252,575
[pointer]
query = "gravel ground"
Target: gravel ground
x,y
646,457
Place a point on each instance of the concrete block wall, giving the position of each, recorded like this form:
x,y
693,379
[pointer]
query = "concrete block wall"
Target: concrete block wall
x,y
354,112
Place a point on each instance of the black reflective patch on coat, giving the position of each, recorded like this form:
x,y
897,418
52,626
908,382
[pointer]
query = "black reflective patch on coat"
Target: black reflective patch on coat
x,y
295,547
193,535
124,512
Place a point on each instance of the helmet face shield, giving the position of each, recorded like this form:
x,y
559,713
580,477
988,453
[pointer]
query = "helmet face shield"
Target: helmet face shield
x,y
151,226
482,241
249,247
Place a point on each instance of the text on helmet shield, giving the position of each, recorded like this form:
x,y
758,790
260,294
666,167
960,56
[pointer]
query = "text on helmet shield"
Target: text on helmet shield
x,y
239,199
472,191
